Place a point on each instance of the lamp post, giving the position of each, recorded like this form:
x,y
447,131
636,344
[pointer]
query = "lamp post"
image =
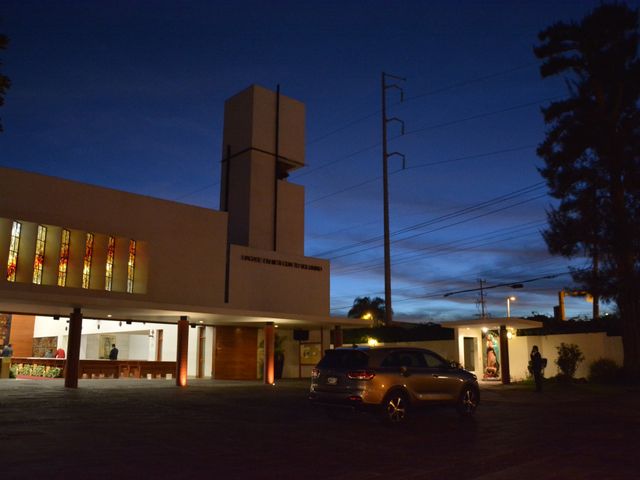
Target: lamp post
x,y
509,300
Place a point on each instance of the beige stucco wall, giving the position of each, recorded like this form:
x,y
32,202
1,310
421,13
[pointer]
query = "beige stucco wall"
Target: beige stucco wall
x,y
270,281
250,121
593,346
180,249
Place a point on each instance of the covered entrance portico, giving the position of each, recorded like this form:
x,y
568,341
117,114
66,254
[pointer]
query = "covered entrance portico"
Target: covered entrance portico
x,y
483,344
208,325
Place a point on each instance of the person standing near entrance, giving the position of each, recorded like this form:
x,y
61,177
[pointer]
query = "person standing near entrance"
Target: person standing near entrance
x,y
113,354
7,351
535,367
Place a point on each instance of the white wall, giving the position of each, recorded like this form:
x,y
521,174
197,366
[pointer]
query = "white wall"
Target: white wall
x,y
132,340
138,347
593,346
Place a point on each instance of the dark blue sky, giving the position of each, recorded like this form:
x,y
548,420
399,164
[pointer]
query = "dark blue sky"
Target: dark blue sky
x,y
129,95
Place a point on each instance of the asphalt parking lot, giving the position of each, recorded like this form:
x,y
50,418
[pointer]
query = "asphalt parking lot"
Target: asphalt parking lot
x,y
236,430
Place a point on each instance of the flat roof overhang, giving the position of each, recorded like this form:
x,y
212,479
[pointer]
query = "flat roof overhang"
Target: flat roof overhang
x,y
132,307
494,323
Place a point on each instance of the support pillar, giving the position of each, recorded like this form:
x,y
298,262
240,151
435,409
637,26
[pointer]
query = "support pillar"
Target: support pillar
x,y
269,353
72,364
337,336
561,304
504,356
182,352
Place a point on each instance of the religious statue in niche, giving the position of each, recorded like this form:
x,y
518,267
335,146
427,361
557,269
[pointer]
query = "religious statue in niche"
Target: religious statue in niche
x,y
492,367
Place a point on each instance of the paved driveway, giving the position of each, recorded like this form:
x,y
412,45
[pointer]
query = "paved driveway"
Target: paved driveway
x,y
151,429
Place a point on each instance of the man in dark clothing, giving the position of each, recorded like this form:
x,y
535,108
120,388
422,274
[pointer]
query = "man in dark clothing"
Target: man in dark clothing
x,y
535,366
113,354
7,351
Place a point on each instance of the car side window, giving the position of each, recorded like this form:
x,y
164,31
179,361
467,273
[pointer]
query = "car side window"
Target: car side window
x,y
434,361
404,359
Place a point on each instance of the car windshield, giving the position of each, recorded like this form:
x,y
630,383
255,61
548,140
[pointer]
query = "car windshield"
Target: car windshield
x,y
344,359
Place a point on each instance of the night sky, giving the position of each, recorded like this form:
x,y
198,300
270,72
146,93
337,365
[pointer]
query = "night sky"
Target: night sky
x,y
129,95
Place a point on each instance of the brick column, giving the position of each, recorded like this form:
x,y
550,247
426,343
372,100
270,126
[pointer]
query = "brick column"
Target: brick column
x,y
182,352
504,355
269,353
71,368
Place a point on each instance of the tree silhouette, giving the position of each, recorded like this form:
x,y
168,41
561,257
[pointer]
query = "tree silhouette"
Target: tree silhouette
x,y
592,157
4,80
362,306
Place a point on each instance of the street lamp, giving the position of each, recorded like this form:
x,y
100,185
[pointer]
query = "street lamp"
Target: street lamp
x,y
509,300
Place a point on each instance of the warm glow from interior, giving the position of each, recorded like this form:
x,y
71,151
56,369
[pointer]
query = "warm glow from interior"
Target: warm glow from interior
x,y
372,342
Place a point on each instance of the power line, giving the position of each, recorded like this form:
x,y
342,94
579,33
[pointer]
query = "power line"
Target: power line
x,y
484,115
458,213
446,249
451,224
202,189
440,294
545,277
430,127
422,95
440,162
423,165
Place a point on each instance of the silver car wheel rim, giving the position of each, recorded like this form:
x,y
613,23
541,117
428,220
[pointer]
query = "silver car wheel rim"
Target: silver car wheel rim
x,y
469,401
396,409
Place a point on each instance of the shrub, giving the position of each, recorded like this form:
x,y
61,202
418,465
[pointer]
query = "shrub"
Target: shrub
x,y
605,370
569,356
36,370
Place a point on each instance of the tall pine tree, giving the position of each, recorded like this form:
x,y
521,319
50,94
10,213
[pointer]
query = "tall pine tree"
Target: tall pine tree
x,y
592,158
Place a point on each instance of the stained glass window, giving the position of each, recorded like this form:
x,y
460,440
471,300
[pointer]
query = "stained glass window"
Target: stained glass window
x,y
38,261
88,256
131,265
12,262
111,251
65,241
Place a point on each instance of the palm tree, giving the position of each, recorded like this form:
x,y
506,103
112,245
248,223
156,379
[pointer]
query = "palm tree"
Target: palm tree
x,y
592,157
368,309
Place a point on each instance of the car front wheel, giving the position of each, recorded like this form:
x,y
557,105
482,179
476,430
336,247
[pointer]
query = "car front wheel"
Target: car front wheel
x,y
395,407
468,401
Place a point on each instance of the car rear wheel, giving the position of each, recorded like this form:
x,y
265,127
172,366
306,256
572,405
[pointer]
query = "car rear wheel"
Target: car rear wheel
x,y
468,401
395,407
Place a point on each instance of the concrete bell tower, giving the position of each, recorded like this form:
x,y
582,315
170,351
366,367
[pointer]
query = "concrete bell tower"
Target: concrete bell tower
x,y
263,141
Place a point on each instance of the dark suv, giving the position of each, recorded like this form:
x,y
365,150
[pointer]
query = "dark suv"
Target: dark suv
x,y
391,380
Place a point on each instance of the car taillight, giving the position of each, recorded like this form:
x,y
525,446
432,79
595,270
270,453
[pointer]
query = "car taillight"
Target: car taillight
x,y
361,375
315,373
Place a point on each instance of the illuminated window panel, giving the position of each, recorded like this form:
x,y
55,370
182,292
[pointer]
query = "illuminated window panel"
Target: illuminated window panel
x,y
12,262
65,241
111,251
131,266
38,261
88,256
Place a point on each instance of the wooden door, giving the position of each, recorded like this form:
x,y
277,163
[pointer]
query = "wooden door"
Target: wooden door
x,y
159,340
201,348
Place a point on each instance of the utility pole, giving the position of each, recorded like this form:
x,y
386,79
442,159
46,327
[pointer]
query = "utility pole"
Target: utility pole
x,y
482,300
388,319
